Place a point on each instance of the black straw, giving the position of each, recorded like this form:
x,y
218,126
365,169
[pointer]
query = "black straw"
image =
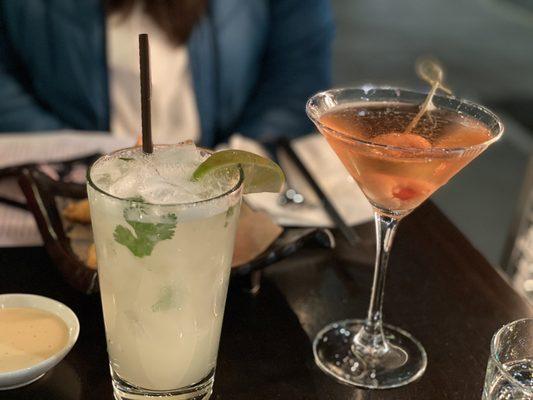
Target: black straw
x,y
146,110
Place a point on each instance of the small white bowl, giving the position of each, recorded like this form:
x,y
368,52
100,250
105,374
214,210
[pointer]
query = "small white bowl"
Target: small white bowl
x,y
22,377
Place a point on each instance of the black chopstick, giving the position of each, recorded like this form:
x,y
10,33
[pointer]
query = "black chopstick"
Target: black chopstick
x,y
348,232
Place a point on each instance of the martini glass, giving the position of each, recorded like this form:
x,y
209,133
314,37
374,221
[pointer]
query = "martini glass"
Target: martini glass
x,y
397,167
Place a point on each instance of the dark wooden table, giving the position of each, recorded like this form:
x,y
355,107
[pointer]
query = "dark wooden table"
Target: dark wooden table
x,y
439,288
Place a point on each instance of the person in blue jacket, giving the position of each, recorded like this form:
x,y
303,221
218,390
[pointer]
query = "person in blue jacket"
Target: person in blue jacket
x,y
218,67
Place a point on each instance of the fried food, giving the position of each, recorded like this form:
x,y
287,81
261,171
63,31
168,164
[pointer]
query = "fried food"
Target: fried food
x,y
78,212
91,257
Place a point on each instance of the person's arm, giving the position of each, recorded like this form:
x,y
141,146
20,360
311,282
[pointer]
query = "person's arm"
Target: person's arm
x,y
296,65
19,110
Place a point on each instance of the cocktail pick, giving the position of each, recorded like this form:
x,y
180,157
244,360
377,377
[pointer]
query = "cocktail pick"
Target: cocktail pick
x,y
430,70
146,89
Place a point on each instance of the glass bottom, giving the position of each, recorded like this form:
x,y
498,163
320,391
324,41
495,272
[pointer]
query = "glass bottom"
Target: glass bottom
x,y
402,361
202,390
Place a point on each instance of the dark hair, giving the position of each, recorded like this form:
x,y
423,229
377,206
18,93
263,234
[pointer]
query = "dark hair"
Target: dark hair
x,y
176,18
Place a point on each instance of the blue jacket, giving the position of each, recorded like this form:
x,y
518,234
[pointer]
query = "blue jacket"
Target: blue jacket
x,y
254,63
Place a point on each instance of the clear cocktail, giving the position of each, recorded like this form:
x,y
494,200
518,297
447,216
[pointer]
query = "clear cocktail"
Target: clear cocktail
x,y
164,244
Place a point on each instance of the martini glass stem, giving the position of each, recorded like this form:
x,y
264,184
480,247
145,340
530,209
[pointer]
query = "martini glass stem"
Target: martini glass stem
x,y
370,339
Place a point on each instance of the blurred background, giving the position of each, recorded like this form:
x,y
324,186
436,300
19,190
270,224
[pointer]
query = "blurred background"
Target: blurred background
x,y
486,47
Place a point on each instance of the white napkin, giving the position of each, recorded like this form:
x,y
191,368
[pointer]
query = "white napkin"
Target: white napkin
x,y
328,172
46,147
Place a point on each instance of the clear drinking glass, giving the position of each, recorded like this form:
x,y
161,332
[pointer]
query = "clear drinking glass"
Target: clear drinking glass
x,y
163,272
395,177
510,367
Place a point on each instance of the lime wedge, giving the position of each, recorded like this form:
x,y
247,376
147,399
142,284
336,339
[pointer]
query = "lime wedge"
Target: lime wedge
x,y
260,174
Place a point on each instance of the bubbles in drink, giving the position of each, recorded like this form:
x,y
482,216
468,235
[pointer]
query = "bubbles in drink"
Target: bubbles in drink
x,y
384,123
400,176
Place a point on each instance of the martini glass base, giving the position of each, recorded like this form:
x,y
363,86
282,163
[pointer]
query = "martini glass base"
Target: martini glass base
x,y
404,362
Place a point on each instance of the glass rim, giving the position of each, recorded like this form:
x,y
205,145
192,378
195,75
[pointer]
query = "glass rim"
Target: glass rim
x,y
495,359
228,192
431,151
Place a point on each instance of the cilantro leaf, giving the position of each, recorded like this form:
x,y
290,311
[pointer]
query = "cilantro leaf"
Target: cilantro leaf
x,y
145,235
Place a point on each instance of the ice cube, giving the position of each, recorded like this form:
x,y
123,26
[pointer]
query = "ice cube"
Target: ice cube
x,y
163,177
125,186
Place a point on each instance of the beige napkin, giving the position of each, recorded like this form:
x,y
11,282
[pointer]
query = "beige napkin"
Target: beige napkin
x,y
255,233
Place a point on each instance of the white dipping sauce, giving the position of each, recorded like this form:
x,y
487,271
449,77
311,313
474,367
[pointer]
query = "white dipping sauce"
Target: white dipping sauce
x,y
29,336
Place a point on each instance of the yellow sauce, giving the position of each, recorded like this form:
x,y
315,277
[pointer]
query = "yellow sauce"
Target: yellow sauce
x,y
29,336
